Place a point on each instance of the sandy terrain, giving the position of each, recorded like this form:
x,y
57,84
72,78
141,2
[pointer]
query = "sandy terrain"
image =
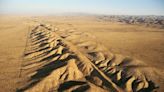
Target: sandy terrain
x,y
12,38
79,54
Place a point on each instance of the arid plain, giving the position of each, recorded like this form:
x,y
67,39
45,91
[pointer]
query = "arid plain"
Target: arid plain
x,y
79,53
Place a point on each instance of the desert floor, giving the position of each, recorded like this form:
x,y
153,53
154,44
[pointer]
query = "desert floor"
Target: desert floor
x,y
144,43
139,42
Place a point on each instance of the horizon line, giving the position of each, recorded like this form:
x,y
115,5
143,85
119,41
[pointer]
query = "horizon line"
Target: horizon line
x,y
76,14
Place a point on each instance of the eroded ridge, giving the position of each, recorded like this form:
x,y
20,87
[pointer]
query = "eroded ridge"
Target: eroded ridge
x,y
73,61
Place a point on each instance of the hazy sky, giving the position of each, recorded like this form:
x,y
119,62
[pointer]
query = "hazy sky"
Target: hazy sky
x,y
127,7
